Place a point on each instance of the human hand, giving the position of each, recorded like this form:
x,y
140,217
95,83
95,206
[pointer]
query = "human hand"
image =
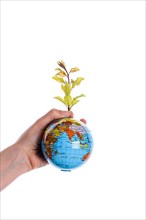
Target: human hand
x,y
30,140
26,155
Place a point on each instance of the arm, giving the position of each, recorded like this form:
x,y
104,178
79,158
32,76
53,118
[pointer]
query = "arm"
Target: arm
x,y
13,164
25,155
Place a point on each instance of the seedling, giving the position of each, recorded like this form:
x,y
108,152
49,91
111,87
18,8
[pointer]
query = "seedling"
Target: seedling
x,y
67,85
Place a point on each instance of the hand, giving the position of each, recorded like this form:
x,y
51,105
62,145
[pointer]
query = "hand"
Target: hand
x,y
30,141
26,154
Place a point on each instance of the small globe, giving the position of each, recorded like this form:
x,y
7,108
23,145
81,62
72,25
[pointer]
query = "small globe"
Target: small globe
x,y
67,143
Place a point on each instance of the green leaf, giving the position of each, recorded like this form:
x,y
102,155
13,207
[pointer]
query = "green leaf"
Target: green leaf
x,y
63,88
75,99
75,69
77,82
58,79
68,100
79,96
60,99
68,88
74,102
58,69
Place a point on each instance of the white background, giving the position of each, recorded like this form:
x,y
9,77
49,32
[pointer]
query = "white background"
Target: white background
x,y
106,41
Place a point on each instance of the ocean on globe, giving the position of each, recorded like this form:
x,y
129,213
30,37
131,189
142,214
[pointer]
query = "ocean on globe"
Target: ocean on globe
x,y
67,143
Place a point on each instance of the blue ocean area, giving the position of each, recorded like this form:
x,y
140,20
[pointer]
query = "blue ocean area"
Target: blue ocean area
x,y
67,153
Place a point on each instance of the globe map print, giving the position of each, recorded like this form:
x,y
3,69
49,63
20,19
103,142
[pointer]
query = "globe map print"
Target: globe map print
x,y
67,143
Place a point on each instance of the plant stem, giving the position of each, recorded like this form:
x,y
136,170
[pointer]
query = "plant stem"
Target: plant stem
x,y
67,75
68,107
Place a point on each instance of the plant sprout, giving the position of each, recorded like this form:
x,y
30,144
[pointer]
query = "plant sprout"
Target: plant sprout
x,y
67,85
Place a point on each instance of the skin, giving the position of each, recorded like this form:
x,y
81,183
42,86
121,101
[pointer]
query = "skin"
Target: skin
x,y
25,155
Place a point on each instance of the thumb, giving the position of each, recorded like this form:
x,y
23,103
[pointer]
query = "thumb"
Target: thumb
x,y
52,115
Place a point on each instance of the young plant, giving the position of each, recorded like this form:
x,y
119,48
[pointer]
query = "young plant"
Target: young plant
x,y
67,84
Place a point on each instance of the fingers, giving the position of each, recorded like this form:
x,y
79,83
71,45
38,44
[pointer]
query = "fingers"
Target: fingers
x,y
83,120
52,115
55,114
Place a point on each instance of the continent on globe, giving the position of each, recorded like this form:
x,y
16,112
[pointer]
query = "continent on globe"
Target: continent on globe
x,y
67,143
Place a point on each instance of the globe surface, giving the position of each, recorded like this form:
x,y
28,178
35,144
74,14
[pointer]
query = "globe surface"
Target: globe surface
x,y
67,143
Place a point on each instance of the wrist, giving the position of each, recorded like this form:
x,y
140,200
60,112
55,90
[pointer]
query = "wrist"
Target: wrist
x,y
22,162
14,163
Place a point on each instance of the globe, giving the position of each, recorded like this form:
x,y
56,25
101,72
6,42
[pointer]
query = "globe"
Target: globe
x,y
67,143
